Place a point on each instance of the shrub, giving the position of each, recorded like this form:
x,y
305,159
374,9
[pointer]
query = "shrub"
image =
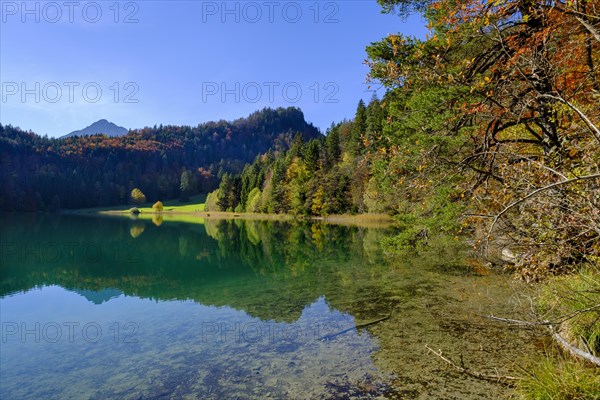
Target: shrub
x,y
158,206
137,197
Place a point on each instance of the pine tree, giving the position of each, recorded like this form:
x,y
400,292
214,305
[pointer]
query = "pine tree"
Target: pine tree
x,y
358,129
311,155
374,120
186,185
225,190
332,144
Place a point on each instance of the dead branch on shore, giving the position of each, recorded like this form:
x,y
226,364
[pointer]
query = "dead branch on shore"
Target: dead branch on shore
x,y
574,350
474,374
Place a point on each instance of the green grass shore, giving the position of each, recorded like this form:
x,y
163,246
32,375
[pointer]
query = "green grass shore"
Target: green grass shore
x,y
194,211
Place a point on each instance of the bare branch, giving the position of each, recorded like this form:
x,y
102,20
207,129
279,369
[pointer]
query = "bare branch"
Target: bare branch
x,y
535,192
570,348
519,322
577,312
494,378
589,27
590,124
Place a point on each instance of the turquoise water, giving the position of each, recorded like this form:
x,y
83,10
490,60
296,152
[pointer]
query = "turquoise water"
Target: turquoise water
x,y
103,308
91,308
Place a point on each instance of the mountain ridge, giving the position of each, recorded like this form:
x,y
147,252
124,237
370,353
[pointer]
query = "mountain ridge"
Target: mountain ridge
x,y
102,126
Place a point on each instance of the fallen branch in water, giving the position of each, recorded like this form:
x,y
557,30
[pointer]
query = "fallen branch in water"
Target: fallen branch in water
x,y
519,322
474,374
359,326
373,322
568,347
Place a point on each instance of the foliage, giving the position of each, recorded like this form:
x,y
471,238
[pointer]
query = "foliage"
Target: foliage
x,y
228,196
137,197
500,102
320,176
253,202
211,201
489,126
187,185
158,206
498,109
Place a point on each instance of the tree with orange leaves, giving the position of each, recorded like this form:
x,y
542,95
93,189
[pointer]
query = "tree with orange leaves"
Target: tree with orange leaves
x,y
517,85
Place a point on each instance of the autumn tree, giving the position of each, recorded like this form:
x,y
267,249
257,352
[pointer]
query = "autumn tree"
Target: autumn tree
x,y
516,85
137,197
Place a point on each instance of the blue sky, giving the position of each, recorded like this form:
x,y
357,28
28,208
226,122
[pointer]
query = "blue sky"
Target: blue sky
x,y
140,63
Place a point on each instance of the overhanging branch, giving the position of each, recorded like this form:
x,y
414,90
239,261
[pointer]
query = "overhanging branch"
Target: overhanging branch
x,y
536,192
590,124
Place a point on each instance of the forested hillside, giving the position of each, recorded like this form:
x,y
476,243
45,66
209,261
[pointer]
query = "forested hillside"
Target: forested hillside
x,y
489,125
326,175
165,162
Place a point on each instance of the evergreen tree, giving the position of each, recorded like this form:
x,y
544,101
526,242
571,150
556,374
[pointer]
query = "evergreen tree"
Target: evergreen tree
x,y
359,127
296,146
374,120
311,155
186,186
332,143
225,193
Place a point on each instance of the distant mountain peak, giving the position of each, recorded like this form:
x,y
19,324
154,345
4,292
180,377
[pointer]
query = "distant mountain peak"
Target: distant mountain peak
x,y
101,126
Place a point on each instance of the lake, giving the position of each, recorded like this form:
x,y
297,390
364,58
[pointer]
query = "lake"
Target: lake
x,y
99,308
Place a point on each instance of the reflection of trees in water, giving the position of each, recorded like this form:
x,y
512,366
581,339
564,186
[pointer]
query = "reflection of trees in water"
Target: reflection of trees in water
x,y
267,246
157,219
137,229
183,246
273,269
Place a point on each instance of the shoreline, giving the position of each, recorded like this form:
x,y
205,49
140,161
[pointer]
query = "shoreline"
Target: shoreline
x,y
360,220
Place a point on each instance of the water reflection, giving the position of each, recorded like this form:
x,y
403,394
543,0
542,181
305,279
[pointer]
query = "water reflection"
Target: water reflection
x,y
268,269
221,310
243,309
